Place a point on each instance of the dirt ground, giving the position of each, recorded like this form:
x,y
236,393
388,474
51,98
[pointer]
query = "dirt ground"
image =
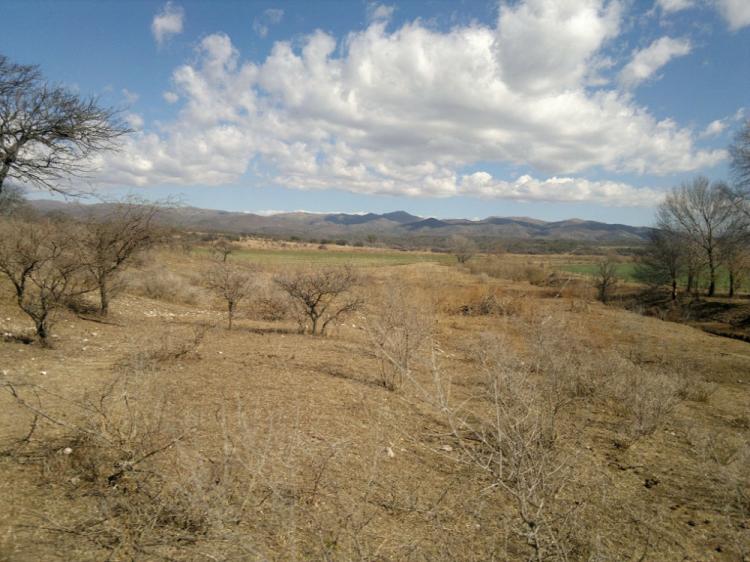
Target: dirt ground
x,y
279,445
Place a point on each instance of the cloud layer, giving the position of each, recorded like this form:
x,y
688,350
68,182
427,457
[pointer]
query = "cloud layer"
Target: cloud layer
x,y
408,111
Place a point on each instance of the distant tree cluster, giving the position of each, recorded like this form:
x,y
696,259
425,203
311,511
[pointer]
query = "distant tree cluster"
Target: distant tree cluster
x,y
701,227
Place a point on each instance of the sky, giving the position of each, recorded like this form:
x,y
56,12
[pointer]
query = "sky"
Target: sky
x,y
551,109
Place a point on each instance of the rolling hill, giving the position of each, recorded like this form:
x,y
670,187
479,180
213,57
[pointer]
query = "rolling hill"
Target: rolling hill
x,y
397,224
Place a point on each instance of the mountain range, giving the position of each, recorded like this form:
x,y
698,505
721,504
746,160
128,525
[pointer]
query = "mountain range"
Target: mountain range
x,y
397,224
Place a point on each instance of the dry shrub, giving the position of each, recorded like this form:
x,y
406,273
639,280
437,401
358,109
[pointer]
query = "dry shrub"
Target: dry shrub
x,y
398,328
137,478
697,391
726,455
537,275
644,397
566,368
720,448
269,302
488,301
504,267
509,433
149,491
499,267
162,284
175,344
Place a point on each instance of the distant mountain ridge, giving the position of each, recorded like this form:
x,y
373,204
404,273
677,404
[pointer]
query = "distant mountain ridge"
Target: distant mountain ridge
x,y
394,224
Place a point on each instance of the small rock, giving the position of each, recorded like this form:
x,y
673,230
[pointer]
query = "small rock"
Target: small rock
x,y
651,482
389,452
67,451
446,448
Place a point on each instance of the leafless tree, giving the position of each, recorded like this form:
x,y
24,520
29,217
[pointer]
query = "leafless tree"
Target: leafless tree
x,y
111,242
665,256
48,133
462,247
321,296
695,265
704,215
42,264
735,256
662,262
606,277
223,248
232,283
739,151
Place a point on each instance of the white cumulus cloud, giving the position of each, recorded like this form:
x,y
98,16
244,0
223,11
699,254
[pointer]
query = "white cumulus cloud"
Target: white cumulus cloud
x,y
168,22
735,12
646,62
405,112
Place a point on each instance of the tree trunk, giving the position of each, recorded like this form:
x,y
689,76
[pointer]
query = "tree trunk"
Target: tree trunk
x,y
103,297
711,274
731,284
674,289
4,169
42,331
231,313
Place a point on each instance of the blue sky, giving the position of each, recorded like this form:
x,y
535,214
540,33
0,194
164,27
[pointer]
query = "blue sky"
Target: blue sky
x,y
544,108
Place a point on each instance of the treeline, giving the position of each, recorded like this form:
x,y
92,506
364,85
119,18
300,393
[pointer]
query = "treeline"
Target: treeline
x,y
703,227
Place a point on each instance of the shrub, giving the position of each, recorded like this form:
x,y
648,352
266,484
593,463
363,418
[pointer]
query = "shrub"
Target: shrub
x,y
398,329
233,284
320,296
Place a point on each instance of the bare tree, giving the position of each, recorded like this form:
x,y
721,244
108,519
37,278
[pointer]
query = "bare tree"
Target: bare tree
x,y
462,247
42,265
232,283
695,265
606,277
739,151
223,248
48,133
665,256
321,296
704,215
736,258
662,261
111,242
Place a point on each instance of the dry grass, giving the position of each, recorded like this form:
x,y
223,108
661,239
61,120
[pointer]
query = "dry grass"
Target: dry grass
x,y
525,427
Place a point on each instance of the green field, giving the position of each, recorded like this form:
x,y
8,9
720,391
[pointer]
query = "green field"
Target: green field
x,y
336,257
625,271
